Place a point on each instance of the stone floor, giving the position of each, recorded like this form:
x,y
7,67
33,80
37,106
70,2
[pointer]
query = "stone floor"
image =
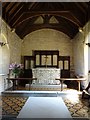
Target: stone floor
x,y
13,101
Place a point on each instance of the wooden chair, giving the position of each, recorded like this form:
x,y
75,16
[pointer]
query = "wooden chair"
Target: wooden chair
x,y
86,92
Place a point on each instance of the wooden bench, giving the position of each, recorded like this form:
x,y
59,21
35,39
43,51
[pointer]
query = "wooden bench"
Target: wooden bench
x,y
16,79
72,79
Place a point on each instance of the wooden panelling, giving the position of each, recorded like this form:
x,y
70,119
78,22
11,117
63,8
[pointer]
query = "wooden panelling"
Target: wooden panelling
x,y
54,60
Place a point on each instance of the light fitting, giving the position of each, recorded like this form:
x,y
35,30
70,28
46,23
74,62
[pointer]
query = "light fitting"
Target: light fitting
x,y
2,44
81,29
13,30
88,44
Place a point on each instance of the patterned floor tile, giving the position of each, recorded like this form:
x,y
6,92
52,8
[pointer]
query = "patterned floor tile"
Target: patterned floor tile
x,y
80,109
11,105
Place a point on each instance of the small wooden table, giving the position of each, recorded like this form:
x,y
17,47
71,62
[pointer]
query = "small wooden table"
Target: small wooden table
x,y
16,79
73,79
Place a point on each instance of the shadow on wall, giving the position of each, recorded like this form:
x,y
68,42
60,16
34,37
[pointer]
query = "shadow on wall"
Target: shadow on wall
x,y
5,54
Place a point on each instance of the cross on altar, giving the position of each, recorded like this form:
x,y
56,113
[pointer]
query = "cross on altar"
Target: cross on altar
x,y
46,60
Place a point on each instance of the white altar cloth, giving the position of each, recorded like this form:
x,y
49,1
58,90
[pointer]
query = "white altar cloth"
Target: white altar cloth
x,y
46,76
44,107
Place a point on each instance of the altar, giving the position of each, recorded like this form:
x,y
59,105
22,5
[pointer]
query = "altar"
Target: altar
x,y
46,68
46,76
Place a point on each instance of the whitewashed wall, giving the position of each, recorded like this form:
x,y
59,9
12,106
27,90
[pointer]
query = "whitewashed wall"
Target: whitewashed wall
x,y
11,52
47,39
78,50
87,50
82,53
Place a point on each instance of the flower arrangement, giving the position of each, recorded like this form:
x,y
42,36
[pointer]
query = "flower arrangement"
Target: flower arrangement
x,y
16,68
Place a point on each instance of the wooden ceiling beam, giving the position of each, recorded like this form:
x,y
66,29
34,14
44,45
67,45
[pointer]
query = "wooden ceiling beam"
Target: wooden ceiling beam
x,y
20,12
65,14
76,12
67,23
88,14
79,17
26,24
16,12
71,16
28,15
5,5
58,27
32,5
84,5
12,11
80,7
9,6
46,18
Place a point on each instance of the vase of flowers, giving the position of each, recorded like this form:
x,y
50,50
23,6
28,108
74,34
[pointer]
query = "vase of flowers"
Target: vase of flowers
x,y
16,69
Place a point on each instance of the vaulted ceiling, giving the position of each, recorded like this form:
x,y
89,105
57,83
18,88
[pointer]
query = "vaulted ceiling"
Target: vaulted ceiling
x,y
25,17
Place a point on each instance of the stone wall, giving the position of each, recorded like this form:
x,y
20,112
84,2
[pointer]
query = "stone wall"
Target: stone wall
x,y
78,53
11,52
47,39
87,50
81,53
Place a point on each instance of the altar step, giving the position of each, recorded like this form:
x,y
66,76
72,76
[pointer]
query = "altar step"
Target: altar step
x,y
45,87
